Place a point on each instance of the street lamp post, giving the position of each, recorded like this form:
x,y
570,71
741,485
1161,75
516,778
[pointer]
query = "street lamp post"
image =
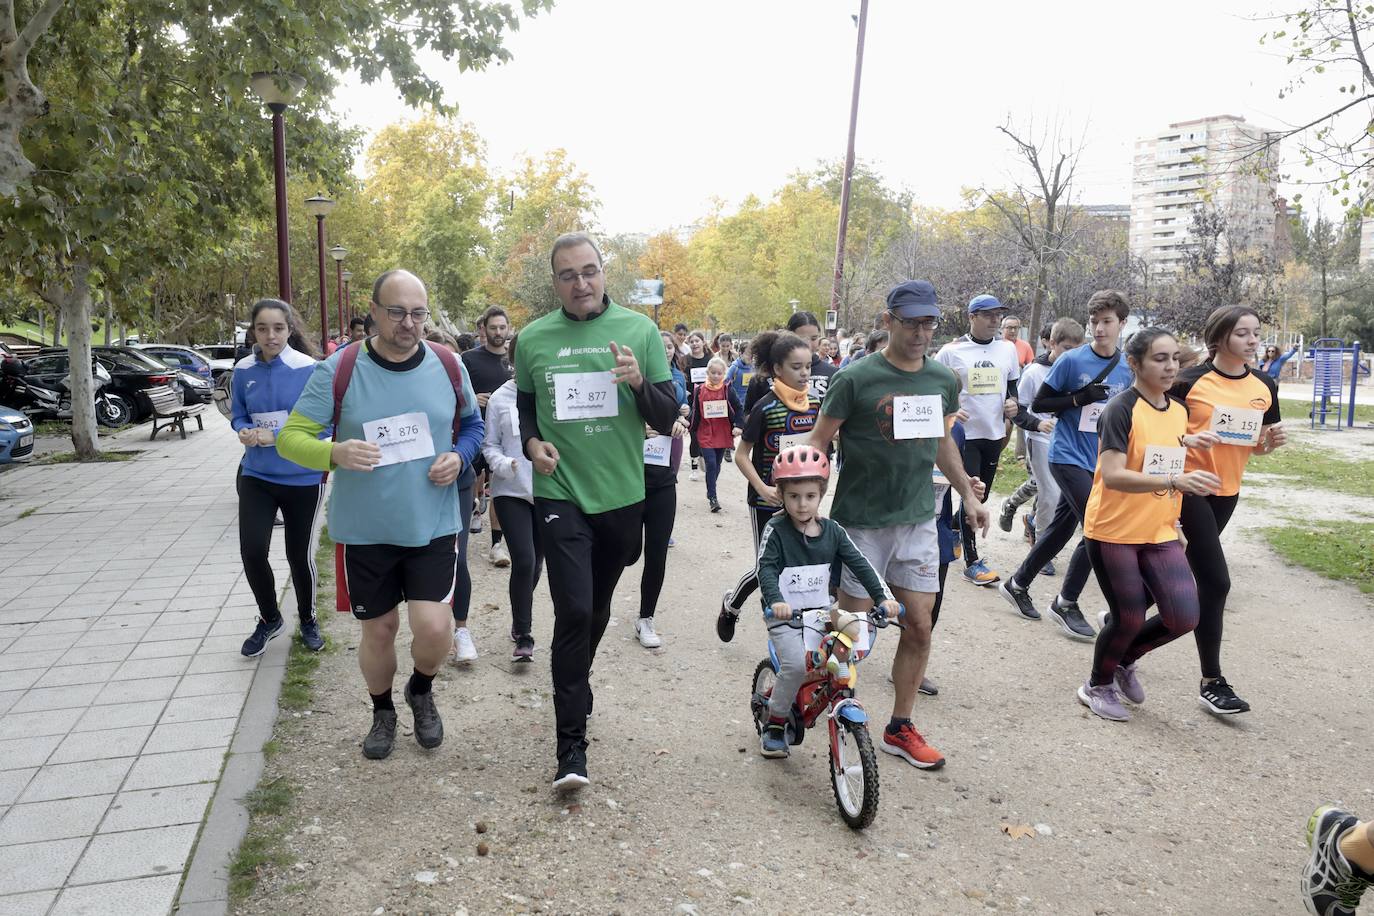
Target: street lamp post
x,y
319,207
346,302
794,303
276,90
338,252
849,159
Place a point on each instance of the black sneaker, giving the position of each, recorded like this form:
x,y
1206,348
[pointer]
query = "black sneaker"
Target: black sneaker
x,y
714,504
590,698
524,649
572,771
311,636
1006,516
1331,885
725,623
1220,700
1019,598
263,633
429,728
1070,619
928,688
379,740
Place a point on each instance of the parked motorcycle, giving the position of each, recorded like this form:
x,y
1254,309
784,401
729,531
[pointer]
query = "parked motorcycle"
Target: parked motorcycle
x,y
40,402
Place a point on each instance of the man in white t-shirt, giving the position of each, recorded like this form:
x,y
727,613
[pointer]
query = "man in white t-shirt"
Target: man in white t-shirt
x,y
988,368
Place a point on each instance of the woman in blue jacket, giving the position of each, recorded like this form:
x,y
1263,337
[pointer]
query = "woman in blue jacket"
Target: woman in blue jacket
x,y
265,387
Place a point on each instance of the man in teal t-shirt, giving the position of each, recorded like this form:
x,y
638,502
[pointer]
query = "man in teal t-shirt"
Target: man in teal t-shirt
x,y
892,411
588,378
394,509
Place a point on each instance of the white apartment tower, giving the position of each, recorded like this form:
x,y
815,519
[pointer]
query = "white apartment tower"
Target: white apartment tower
x,y
1213,159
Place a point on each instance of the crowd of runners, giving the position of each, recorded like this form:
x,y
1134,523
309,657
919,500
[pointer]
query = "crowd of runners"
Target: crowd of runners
x,y
567,439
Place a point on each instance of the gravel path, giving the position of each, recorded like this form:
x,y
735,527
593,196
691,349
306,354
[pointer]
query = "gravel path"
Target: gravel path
x,y
1175,812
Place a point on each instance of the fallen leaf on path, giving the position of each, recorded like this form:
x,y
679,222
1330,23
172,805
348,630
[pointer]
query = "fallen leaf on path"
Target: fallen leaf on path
x,y
1017,831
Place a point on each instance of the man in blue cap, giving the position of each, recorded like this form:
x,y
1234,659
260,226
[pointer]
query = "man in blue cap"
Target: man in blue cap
x,y
892,411
988,369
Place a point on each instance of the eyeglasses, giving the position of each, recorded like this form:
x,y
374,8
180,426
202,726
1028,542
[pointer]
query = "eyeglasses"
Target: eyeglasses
x,y
916,324
398,314
570,276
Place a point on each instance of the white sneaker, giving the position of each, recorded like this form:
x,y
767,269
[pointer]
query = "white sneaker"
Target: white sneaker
x,y
693,475
499,555
644,629
464,650
476,524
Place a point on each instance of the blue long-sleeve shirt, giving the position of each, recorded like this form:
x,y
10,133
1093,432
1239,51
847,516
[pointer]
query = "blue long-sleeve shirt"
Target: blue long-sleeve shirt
x,y
1276,366
262,395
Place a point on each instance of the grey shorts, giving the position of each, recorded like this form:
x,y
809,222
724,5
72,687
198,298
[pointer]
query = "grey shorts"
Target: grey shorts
x,y
905,556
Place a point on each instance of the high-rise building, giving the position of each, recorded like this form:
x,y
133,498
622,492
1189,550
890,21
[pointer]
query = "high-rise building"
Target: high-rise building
x,y
1222,161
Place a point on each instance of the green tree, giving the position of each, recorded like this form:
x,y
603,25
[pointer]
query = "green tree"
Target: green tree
x,y
148,123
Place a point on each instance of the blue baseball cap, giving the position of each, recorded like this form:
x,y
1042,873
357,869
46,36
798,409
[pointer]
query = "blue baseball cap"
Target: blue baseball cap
x,y
913,299
983,303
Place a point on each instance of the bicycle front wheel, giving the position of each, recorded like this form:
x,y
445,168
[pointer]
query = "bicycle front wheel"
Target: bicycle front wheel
x,y
765,679
853,772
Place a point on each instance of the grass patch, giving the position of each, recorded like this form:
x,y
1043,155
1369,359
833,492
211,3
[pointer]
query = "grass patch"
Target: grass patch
x,y
1010,472
257,852
1296,411
70,457
1317,468
1343,551
29,511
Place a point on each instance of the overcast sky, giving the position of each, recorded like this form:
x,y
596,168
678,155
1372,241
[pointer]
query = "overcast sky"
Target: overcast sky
x,y
668,104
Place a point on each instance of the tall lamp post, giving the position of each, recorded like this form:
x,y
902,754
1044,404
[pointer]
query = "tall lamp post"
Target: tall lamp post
x,y
338,253
849,158
345,302
276,90
319,207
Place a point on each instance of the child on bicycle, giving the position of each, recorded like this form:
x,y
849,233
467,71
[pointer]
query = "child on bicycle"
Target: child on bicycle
x,y
799,555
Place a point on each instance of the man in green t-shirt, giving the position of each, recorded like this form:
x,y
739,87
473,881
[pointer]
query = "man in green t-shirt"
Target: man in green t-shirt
x,y
588,378
893,411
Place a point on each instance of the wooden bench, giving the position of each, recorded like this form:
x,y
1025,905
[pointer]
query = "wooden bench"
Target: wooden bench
x,y
167,406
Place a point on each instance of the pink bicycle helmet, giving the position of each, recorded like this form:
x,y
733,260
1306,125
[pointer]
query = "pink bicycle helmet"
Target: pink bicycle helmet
x,y
801,462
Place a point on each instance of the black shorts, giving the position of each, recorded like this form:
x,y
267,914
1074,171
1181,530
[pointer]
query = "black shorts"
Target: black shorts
x,y
377,577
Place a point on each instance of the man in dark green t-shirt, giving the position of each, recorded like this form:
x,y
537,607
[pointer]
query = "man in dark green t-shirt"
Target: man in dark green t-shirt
x,y
892,411
588,378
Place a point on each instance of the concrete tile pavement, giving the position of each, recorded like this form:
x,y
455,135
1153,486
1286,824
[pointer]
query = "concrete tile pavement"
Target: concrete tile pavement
x,y
121,686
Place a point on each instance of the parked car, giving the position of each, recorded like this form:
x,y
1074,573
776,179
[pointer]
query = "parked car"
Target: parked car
x,y
132,373
194,389
16,436
179,357
219,351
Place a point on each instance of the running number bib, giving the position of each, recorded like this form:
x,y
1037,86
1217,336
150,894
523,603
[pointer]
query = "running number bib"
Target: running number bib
x,y
984,380
1237,425
1088,416
584,395
786,442
699,375
273,420
917,416
1163,460
714,410
401,438
805,586
513,421
657,450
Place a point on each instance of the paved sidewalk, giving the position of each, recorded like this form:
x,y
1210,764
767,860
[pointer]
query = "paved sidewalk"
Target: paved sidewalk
x,y
122,609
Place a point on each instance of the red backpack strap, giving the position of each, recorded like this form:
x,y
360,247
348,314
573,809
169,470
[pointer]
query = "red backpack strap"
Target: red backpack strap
x,y
455,376
343,374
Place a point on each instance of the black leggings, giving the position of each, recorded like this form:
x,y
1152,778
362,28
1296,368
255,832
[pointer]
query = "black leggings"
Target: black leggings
x,y
259,501
526,558
1204,518
1075,485
462,586
980,460
660,511
586,555
1133,576
749,582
